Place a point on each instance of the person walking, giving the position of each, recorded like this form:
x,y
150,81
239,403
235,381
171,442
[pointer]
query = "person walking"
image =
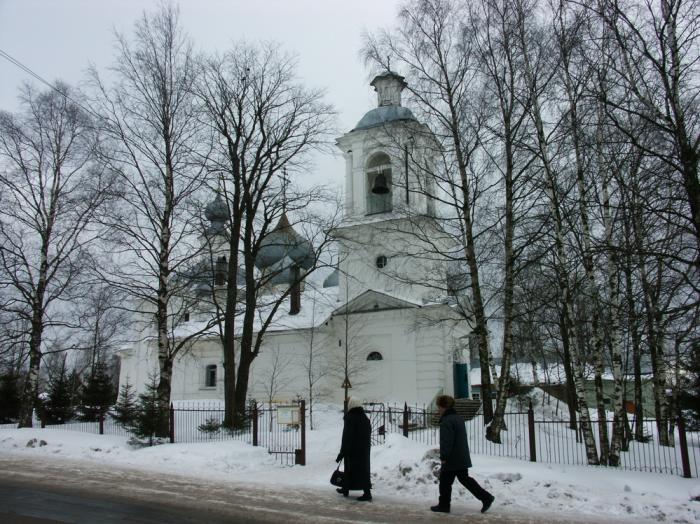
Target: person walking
x,y
454,458
355,447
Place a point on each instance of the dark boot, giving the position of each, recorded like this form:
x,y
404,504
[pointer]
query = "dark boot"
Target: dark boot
x,y
343,492
440,509
366,496
487,503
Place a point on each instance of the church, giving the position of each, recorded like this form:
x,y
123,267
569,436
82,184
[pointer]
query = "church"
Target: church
x,y
382,325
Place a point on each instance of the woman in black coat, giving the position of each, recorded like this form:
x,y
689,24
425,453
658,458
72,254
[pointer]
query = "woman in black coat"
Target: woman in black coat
x,y
355,447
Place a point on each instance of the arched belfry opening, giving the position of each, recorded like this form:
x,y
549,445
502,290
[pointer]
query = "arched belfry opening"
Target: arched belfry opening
x,y
379,184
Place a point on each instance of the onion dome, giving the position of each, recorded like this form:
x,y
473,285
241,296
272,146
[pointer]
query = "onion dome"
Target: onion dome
x,y
283,272
217,213
285,243
332,279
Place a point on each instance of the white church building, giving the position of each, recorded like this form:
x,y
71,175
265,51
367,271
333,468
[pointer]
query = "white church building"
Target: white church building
x,y
384,316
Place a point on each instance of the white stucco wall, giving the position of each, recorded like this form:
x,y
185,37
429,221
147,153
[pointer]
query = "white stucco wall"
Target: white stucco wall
x,y
416,364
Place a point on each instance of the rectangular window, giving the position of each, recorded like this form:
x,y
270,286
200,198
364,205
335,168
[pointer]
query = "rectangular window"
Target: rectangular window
x,y
210,376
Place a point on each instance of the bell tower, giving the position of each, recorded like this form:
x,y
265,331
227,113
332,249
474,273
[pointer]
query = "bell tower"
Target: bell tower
x,y
387,157
388,186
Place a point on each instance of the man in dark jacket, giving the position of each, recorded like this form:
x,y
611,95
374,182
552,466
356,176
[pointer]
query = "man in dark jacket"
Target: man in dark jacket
x,y
355,448
455,459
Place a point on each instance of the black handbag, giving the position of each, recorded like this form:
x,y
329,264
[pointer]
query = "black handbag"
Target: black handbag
x,y
337,477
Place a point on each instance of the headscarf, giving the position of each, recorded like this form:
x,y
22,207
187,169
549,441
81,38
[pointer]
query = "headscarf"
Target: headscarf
x,y
353,403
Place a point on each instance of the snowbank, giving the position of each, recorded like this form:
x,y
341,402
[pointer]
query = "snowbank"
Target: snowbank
x,y
403,471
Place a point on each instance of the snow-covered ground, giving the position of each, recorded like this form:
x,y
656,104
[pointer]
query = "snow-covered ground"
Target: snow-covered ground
x,y
402,469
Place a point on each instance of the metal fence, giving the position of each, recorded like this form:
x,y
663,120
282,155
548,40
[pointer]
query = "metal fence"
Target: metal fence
x,y
279,427
539,440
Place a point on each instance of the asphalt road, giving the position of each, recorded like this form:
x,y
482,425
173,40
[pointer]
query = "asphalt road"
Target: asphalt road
x,y
40,491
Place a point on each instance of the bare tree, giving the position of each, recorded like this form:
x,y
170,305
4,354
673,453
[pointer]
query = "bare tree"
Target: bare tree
x,y
264,122
274,375
157,147
52,191
101,319
432,43
654,59
315,364
348,358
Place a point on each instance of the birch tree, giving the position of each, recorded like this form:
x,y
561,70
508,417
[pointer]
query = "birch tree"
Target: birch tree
x,y
655,60
52,192
157,148
433,44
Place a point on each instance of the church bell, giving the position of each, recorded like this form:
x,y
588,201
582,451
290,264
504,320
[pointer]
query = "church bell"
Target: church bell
x,y
379,187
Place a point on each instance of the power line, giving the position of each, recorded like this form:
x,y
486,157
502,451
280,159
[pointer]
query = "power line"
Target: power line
x,y
29,71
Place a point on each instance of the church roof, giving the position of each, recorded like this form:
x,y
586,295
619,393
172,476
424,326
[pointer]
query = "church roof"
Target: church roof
x,y
372,300
317,304
383,115
388,74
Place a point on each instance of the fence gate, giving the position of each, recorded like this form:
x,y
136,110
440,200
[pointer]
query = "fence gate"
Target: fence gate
x,y
376,411
282,429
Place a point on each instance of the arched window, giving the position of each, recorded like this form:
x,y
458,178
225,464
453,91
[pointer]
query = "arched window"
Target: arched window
x,y
379,184
210,376
375,355
380,261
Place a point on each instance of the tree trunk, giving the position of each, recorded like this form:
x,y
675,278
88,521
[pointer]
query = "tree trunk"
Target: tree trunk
x,y
493,432
31,384
613,457
571,401
636,344
229,335
164,386
655,341
600,407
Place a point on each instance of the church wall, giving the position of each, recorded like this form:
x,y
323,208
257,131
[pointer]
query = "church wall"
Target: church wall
x,y
416,362
136,364
189,373
412,271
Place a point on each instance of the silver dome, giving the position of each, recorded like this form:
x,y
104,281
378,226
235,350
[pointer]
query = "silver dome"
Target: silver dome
x,y
383,115
216,210
283,242
332,279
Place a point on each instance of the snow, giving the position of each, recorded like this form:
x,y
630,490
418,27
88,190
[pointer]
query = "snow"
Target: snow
x,y
404,471
552,373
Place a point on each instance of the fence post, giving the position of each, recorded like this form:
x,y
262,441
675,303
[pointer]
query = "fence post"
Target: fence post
x,y
102,422
255,424
405,420
301,453
531,430
172,424
684,448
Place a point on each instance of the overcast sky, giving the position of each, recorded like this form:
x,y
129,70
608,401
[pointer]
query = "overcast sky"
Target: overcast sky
x,y
58,38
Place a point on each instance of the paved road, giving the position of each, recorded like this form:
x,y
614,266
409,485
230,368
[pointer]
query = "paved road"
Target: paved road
x,y
40,491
